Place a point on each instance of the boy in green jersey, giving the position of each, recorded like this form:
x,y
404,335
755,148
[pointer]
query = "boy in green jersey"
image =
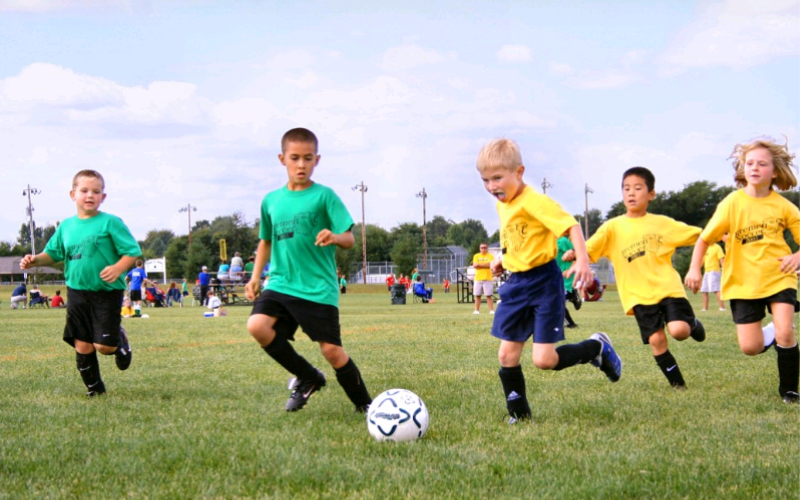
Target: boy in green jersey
x,y
302,223
97,249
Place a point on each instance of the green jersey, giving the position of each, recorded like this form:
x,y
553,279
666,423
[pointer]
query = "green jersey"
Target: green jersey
x,y
87,246
564,245
291,220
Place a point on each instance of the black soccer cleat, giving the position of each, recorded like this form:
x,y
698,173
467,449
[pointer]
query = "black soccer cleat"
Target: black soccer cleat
x,y
123,355
98,389
791,397
303,389
362,408
575,298
698,331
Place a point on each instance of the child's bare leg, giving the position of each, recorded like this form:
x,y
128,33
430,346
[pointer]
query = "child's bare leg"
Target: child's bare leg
x,y
347,374
751,338
513,380
705,301
664,359
721,303
679,330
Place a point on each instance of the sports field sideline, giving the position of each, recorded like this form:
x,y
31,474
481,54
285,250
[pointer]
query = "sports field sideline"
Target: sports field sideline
x,y
200,413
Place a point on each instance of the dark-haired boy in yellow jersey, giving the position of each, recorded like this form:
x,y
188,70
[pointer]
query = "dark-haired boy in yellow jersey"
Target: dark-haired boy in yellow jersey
x,y
640,245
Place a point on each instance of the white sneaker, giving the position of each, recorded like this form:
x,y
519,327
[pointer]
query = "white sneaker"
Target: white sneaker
x,y
703,310
722,309
476,312
491,312
769,334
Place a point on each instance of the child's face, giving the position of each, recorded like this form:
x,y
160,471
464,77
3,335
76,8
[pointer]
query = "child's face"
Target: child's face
x,y
300,158
759,171
502,183
88,195
635,195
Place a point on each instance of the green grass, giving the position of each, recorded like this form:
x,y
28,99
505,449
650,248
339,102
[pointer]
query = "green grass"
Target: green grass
x,y
200,414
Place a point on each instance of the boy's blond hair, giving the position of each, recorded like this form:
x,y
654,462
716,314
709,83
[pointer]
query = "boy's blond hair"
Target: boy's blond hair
x,y
502,153
781,159
91,174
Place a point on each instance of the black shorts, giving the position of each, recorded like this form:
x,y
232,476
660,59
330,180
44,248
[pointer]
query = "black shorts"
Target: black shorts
x,y
319,321
747,311
93,317
136,295
652,318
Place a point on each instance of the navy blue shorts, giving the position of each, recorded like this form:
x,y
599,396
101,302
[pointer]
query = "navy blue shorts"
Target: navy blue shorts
x,y
531,303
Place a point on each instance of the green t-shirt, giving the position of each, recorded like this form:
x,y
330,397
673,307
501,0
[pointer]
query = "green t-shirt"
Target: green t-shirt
x,y
248,269
564,245
291,220
87,246
343,282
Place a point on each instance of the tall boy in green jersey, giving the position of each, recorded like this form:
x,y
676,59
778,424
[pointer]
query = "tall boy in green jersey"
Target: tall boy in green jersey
x,y
97,249
302,223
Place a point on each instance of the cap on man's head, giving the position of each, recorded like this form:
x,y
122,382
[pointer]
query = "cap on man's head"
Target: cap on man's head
x,y
204,268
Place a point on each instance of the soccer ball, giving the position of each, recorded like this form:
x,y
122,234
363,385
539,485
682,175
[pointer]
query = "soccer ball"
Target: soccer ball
x,y
397,415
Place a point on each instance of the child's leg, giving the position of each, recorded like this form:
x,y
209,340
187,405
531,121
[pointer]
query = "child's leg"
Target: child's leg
x,y
679,330
347,374
512,379
570,322
550,357
262,328
89,368
751,338
788,353
721,303
664,359
705,301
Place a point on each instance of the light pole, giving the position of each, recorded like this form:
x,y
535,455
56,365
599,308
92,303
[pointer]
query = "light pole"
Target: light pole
x,y
189,209
361,187
28,192
545,185
422,194
586,192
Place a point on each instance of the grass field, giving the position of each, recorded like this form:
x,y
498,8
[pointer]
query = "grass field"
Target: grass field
x,y
200,414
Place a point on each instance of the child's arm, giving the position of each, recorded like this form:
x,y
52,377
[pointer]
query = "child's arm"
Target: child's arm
x,y
694,278
41,259
263,254
110,274
581,269
326,237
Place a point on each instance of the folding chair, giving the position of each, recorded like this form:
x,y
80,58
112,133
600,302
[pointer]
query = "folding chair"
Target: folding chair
x,y
36,299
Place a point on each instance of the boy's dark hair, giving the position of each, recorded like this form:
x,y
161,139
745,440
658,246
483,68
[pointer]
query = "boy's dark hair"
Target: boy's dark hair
x,y
58,292
644,173
139,262
299,135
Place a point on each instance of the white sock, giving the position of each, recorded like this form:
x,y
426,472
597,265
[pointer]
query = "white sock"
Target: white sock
x,y
769,334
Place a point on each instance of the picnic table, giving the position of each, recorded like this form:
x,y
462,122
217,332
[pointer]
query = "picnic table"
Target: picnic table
x,y
231,294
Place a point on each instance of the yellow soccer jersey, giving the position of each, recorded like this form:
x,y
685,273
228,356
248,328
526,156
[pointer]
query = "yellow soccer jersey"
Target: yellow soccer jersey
x,y
755,242
712,257
483,274
641,250
529,226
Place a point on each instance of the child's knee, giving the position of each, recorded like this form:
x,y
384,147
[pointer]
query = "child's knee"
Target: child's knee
x,y
261,329
334,354
104,349
679,330
658,341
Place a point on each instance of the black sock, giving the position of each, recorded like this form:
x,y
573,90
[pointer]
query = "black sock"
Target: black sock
x,y
570,322
349,377
788,368
89,369
282,351
577,354
514,390
670,369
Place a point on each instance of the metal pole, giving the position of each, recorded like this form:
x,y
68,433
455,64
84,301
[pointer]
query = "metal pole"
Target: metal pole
x,y
422,194
28,192
361,187
188,209
587,190
545,185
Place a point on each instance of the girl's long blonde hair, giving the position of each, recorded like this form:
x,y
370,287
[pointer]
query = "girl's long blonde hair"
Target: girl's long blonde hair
x,y
781,159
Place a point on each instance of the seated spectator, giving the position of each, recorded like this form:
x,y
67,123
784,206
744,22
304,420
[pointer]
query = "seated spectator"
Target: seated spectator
x,y
127,309
594,291
20,294
38,298
58,300
223,273
155,296
237,267
248,268
215,304
174,295
421,291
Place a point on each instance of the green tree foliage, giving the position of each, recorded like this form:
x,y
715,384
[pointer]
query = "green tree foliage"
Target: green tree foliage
x,y
437,231
404,254
5,249
595,221
41,236
199,255
379,243
468,234
176,255
156,242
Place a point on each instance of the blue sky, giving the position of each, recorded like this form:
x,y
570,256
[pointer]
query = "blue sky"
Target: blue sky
x,y
180,102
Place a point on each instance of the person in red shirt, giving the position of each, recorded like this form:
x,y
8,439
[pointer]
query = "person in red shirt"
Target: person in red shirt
x,y
57,300
446,284
390,282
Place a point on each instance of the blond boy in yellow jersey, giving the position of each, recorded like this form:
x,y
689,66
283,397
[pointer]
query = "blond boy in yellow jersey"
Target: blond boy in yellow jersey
x,y
760,269
532,302
640,245
712,266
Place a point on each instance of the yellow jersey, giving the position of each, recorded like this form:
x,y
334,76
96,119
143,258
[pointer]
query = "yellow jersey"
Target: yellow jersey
x,y
755,242
641,250
482,274
712,258
529,227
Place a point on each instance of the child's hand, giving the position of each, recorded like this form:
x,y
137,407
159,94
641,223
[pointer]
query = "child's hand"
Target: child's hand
x,y
693,279
497,266
110,274
27,261
325,238
789,264
582,272
251,289
568,256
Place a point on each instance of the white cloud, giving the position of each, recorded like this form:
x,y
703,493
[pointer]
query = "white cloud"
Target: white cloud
x,y
404,57
304,81
736,34
41,6
603,79
514,54
560,69
633,57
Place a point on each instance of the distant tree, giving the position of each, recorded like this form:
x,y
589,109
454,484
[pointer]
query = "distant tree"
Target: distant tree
x,y
404,255
156,242
595,221
176,255
379,243
41,236
437,231
410,230
199,255
495,237
5,249
468,234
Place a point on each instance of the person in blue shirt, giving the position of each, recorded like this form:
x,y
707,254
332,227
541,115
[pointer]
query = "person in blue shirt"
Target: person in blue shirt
x,y
136,276
205,280
20,294
421,291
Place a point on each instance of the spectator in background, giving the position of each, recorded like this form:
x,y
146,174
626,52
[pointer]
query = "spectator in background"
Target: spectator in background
x,y
205,279
38,298
127,311
343,285
20,294
248,268
237,267
223,273
58,300
446,285
390,282
174,295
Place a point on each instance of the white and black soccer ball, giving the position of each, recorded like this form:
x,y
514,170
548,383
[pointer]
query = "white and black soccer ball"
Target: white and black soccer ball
x,y
397,415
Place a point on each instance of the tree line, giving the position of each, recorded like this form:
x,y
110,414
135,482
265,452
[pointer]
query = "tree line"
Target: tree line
x,y
402,245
